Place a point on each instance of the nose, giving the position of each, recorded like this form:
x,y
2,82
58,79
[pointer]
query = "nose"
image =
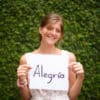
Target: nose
x,y
54,32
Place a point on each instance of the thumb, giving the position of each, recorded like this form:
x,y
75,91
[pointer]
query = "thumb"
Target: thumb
x,y
71,64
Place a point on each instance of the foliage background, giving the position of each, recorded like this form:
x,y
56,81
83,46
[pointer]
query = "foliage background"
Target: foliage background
x,y
19,21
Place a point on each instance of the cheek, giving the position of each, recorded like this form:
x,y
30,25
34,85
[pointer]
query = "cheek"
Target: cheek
x,y
59,35
45,31
42,32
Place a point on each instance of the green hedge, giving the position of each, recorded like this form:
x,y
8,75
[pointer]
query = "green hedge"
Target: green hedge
x,y
19,21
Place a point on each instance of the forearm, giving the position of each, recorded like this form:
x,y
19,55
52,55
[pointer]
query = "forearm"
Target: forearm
x,y
24,90
75,89
25,93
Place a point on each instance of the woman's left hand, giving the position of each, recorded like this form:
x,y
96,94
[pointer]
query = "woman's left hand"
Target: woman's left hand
x,y
77,68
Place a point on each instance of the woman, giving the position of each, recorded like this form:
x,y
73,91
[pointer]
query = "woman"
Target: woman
x,y
51,31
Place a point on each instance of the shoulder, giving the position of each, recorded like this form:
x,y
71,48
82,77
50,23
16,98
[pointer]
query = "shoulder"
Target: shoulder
x,y
71,55
25,57
22,59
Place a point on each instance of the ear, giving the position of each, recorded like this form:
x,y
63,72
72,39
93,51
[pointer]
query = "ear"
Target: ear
x,y
40,30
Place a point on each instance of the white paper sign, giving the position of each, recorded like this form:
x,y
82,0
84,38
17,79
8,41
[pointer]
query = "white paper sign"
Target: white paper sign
x,y
48,72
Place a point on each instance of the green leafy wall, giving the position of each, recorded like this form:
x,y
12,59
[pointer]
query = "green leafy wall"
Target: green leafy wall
x,y
19,21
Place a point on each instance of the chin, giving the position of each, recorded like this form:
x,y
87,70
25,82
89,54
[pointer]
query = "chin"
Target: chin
x,y
51,43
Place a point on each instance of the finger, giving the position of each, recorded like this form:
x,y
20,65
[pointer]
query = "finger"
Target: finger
x,y
80,72
72,63
24,67
21,75
76,70
22,71
78,65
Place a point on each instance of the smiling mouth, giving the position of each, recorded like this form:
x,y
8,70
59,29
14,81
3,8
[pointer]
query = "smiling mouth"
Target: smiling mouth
x,y
50,36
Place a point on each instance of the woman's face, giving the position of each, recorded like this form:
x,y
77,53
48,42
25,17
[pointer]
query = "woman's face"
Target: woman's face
x,y
50,33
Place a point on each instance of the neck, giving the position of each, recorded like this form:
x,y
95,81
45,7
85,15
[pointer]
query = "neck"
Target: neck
x,y
48,49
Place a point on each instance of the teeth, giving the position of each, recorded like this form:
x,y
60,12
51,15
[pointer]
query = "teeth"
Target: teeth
x,y
50,36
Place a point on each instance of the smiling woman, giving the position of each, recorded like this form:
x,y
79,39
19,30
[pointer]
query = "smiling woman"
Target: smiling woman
x,y
51,31
53,24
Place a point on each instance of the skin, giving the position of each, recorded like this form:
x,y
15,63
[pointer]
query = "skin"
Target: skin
x,y
50,35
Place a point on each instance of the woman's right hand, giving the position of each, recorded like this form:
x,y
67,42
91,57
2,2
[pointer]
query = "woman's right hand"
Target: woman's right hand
x,y
22,73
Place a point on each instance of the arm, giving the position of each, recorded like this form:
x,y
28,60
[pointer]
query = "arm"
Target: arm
x,y
22,81
75,69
